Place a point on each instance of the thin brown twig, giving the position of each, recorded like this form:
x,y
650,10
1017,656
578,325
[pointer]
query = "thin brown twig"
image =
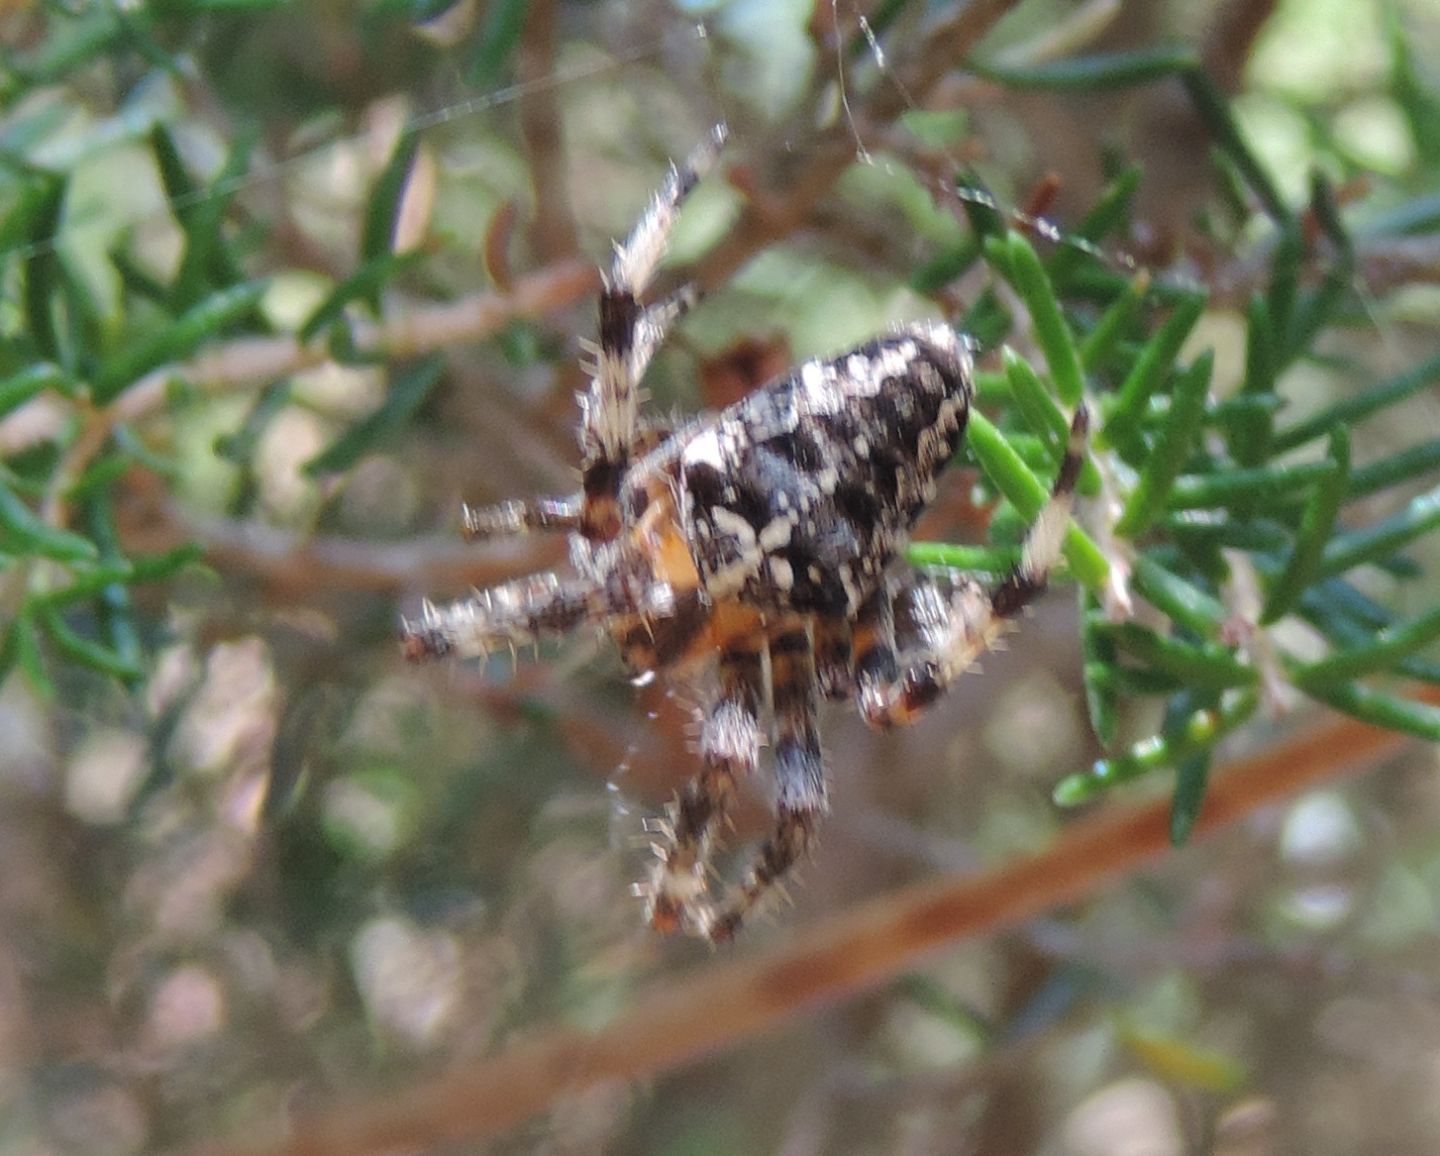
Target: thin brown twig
x,y
948,45
733,1001
1230,41
553,234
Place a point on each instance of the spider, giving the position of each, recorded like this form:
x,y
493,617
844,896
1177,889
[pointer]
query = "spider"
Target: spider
x,y
756,553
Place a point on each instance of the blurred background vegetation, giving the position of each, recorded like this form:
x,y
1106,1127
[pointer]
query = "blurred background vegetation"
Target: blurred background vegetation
x,y
281,285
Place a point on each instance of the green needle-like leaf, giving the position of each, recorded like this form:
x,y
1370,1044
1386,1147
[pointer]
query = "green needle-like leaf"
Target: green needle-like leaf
x,y
30,382
504,22
970,559
1099,344
1418,216
24,531
991,388
1214,110
1172,449
1373,706
381,214
1326,209
1100,659
1284,288
207,263
1028,495
89,582
1246,488
1353,410
1109,214
1132,682
1210,667
43,210
946,266
1184,603
113,607
1192,776
407,391
1403,466
1149,371
1316,309
1044,416
1249,439
1201,731
1317,524
21,650
1380,654
364,284
178,340
1343,615
1096,73
85,651
1376,543
1032,283
1417,101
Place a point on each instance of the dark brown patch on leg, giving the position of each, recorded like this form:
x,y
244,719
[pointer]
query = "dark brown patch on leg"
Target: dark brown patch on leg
x,y
799,773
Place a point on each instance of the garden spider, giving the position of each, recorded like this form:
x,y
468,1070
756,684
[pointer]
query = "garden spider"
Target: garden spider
x,y
756,552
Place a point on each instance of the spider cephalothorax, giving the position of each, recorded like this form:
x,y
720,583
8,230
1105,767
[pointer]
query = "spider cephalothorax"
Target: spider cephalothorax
x,y
758,553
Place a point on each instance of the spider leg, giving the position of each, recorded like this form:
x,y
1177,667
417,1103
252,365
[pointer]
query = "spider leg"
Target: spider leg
x,y
517,614
799,772
629,335
676,893
651,326
515,517
873,652
954,627
520,517
832,657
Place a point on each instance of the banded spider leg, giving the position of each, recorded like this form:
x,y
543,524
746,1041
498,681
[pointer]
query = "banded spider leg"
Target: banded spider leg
x,y
949,628
611,434
611,430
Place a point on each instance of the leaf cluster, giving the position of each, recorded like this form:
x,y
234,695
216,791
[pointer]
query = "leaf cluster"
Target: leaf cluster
x,y
1224,538
1221,535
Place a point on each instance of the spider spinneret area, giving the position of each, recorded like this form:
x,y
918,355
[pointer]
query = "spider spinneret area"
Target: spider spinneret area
x,y
758,554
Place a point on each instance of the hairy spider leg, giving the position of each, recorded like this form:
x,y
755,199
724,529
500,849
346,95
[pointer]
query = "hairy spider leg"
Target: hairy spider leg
x,y
517,614
873,662
833,656
629,335
520,516
517,516
676,894
802,797
612,432
954,626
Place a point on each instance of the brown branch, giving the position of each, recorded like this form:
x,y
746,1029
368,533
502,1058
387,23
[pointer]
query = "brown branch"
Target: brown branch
x,y
732,1001
553,233
1231,38
948,44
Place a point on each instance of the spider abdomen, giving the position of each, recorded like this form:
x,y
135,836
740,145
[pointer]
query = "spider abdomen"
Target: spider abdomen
x,y
799,496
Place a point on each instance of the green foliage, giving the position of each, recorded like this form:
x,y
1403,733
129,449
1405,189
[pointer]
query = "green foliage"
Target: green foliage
x,y
1194,486
1207,485
281,284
